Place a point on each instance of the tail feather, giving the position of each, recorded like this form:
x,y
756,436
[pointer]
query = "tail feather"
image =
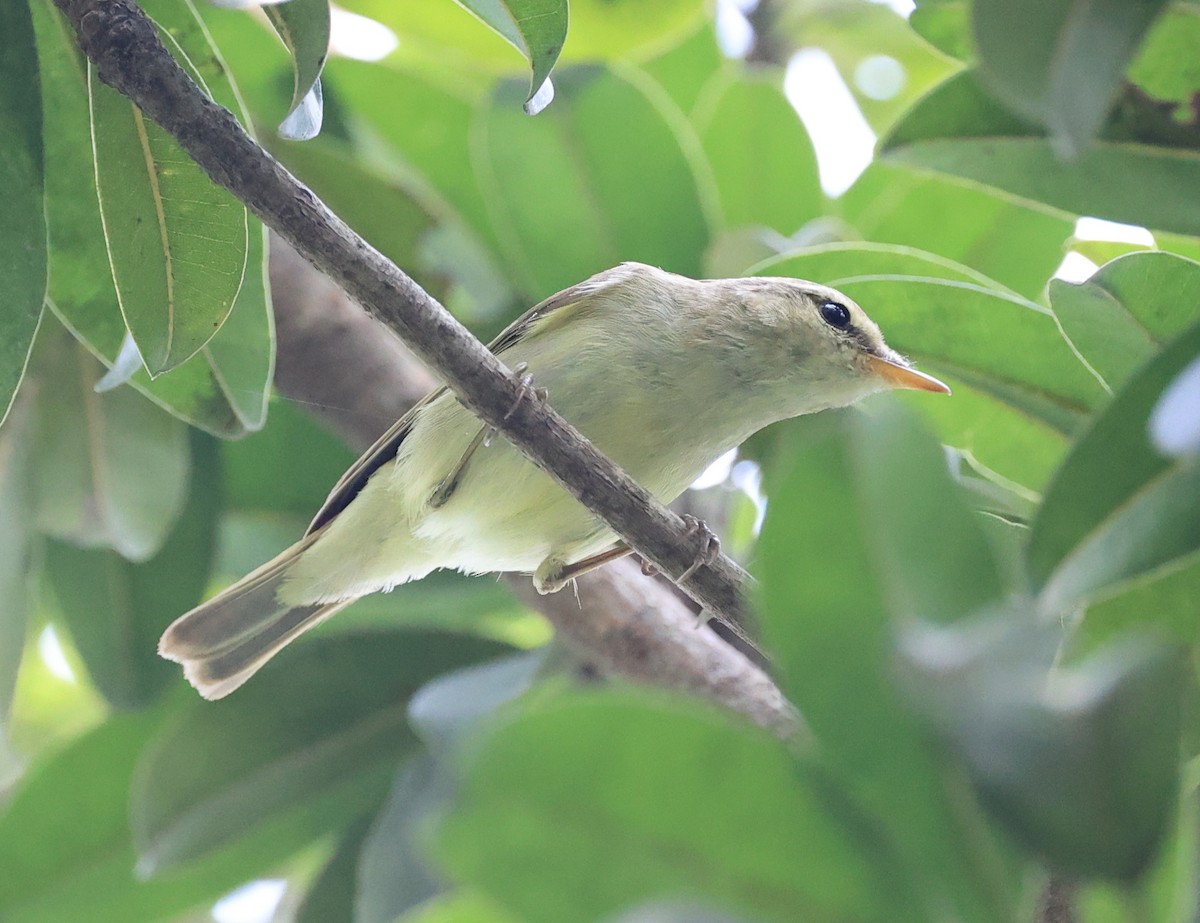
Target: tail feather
x,y
223,642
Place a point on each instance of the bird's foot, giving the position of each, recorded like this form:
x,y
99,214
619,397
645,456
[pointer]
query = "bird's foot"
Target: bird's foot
x,y
710,545
527,390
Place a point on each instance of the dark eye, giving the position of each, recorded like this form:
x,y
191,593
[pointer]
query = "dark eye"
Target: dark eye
x,y
835,315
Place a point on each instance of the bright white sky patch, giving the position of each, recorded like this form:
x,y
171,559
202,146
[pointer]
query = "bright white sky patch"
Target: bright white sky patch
x,y
52,655
841,136
902,7
734,33
255,902
1099,229
1075,267
879,76
354,36
717,472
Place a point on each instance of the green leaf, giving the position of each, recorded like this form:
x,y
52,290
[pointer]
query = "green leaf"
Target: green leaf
x,y
16,559
378,207
946,25
759,152
426,130
1119,317
1117,508
394,871
332,895
67,851
1159,602
252,466
320,729
841,566
461,907
653,793
176,242
303,25
686,68
958,129
115,610
536,28
1166,67
570,196
23,219
81,288
600,30
112,469
905,483
1003,355
1079,764
1060,62
1018,246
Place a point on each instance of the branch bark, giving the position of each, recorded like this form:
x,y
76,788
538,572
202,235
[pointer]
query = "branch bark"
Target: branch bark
x,y
125,49
624,622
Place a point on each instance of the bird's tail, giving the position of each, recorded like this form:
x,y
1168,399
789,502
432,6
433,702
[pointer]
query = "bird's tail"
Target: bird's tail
x,y
223,642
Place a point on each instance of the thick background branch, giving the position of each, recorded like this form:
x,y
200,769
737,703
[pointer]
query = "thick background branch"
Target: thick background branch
x,y
624,622
124,47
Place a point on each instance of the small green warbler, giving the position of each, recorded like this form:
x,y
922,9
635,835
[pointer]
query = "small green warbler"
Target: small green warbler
x,y
663,373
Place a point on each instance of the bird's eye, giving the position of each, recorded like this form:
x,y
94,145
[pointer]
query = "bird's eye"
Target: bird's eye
x,y
835,315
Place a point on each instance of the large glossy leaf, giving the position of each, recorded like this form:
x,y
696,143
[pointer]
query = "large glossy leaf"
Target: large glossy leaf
x,y
1119,317
1016,245
331,895
304,26
379,207
427,130
600,30
67,851
394,871
223,388
1166,67
177,243
1060,61
866,532
1003,354
609,781
23,218
1118,508
684,70
570,194
536,28
16,534
112,468
945,24
1078,763
321,728
759,152
115,610
958,129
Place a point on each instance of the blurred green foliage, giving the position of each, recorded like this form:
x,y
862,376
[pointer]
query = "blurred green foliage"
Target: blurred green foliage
x,y
986,607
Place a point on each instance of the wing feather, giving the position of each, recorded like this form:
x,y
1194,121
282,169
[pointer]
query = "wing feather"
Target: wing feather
x,y
539,319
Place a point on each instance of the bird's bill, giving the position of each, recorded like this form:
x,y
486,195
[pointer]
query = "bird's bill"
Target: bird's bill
x,y
901,376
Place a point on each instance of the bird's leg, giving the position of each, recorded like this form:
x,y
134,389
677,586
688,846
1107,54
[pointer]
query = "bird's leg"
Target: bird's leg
x,y
527,389
710,545
446,487
448,484
553,575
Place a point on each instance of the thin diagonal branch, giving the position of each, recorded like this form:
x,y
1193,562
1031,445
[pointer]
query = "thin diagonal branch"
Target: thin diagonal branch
x,y
123,45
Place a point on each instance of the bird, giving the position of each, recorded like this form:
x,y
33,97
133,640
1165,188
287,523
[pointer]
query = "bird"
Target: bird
x,y
663,373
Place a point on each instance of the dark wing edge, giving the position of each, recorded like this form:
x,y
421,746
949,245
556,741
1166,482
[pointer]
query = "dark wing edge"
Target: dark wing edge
x,y
351,483
384,449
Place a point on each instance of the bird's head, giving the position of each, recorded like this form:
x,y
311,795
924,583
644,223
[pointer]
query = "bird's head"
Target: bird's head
x,y
814,344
